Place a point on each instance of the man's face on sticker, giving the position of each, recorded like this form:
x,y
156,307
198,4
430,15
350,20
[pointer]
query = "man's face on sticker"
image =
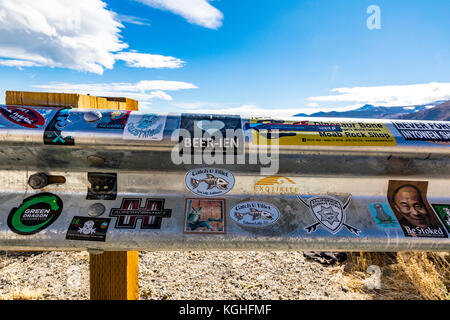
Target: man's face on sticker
x,y
62,120
409,204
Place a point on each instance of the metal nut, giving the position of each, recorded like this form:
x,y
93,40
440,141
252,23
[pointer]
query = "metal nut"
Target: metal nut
x,y
38,180
96,210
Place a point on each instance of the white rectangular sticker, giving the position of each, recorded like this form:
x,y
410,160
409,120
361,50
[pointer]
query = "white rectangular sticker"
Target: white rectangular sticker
x,y
145,126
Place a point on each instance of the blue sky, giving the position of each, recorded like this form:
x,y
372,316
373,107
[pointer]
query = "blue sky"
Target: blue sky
x,y
239,56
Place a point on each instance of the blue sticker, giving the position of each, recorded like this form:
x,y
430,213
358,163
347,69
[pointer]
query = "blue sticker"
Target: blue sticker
x,y
383,215
54,131
145,127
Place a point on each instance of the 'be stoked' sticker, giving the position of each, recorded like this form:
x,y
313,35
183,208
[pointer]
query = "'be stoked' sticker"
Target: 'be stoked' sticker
x,y
35,213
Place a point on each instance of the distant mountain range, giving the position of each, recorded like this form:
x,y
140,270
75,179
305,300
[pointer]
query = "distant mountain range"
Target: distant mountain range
x,y
439,111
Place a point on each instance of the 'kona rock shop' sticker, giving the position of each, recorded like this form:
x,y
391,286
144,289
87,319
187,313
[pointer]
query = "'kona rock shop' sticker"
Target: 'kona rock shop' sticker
x,y
209,182
35,213
254,214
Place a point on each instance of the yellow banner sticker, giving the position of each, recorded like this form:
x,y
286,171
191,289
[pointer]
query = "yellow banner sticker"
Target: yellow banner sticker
x,y
320,133
276,185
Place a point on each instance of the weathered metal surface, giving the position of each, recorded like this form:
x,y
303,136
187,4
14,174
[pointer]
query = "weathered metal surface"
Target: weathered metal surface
x,y
349,180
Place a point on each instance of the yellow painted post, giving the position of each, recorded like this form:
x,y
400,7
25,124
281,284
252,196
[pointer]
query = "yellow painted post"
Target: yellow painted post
x,y
114,275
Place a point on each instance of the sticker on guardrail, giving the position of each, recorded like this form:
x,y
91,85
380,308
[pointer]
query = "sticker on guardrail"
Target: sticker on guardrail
x,y
320,133
204,216
209,130
35,213
88,229
145,127
383,215
130,212
408,200
54,131
102,186
113,120
254,214
423,131
22,116
209,182
276,185
329,212
443,212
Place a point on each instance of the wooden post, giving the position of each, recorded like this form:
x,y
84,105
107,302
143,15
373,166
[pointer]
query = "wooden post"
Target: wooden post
x,y
114,275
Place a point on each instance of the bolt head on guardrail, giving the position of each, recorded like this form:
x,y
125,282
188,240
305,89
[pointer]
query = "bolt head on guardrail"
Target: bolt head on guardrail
x,y
38,180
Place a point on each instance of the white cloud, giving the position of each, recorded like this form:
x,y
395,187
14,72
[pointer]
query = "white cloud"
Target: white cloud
x,y
142,90
17,63
133,20
145,60
79,35
161,95
199,12
82,35
390,96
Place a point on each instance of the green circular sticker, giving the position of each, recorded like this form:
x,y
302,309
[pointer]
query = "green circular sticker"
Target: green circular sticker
x,y
35,213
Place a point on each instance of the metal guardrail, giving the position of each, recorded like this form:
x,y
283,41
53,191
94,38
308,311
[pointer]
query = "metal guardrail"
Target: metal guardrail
x,y
119,180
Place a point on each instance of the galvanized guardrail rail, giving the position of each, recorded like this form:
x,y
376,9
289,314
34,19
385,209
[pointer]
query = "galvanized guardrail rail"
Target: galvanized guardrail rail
x,y
119,180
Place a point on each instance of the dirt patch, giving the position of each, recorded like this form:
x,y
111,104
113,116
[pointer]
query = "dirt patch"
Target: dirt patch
x,y
232,275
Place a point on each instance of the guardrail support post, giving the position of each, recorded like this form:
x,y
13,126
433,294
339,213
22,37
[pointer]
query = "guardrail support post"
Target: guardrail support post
x,y
114,275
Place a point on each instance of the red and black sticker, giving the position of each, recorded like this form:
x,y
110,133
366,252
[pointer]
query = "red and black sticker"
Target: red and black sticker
x,y
130,211
25,117
88,229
